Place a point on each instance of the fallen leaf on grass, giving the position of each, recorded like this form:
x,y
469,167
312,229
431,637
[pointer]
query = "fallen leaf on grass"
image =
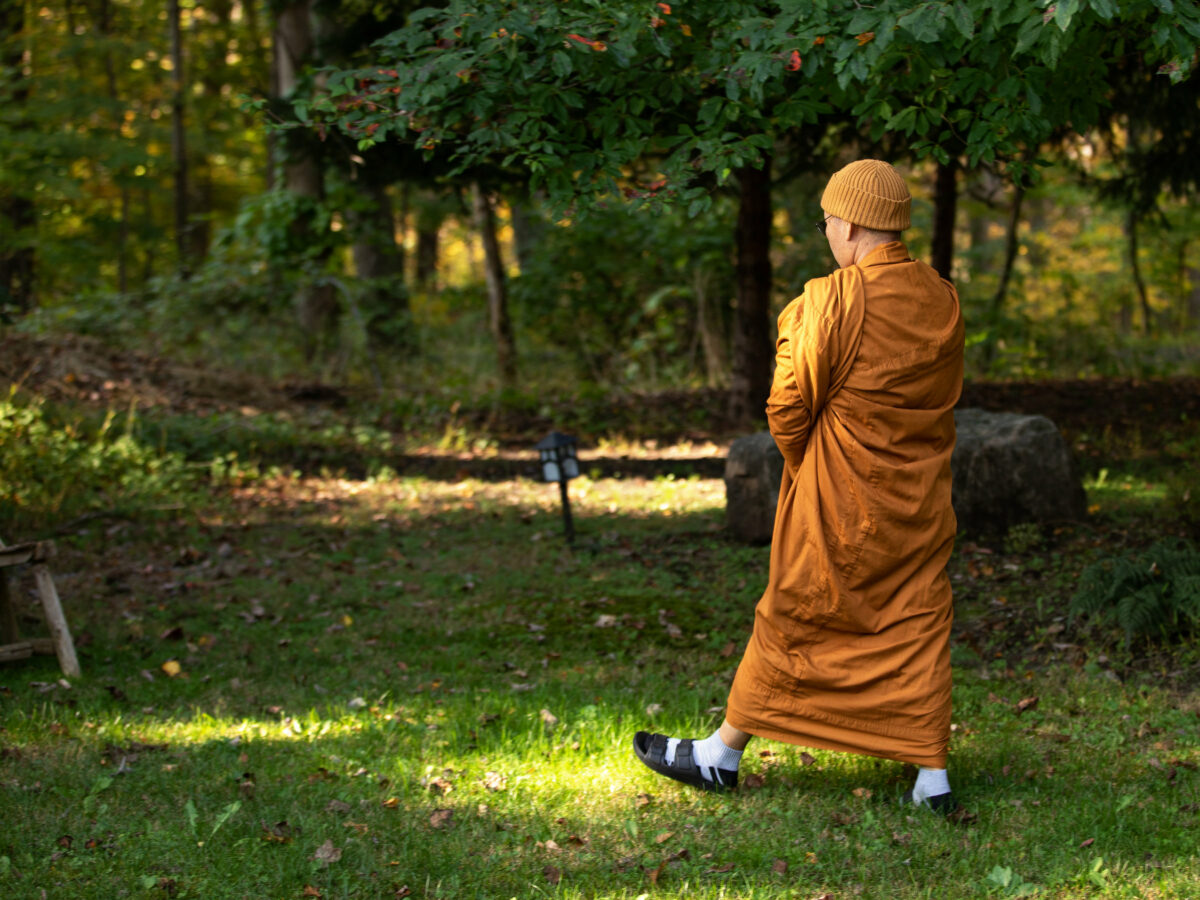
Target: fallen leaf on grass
x,y
494,781
643,800
779,867
729,649
625,863
753,781
310,891
549,718
862,793
553,874
678,854
902,839
1026,704
606,620
279,833
403,891
1087,843
807,759
359,827
728,867
337,806
825,896
962,817
441,818
327,853
65,841
654,874
172,667
440,786
664,836
654,709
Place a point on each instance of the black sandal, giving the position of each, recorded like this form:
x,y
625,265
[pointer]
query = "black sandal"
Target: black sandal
x,y
942,804
651,748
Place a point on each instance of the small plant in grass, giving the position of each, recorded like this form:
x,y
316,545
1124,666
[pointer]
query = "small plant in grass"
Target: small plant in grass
x,y
1156,593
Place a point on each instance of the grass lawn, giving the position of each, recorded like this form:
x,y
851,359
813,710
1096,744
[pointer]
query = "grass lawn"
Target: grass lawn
x,y
411,687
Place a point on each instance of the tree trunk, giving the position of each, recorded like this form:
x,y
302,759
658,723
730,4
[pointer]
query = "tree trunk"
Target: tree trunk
x,y
527,227
105,25
498,321
945,209
17,215
710,324
1131,232
427,256
379,261
1011,245
751,377
178,139
316,301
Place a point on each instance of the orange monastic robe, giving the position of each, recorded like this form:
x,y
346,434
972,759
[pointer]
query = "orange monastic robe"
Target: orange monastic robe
x,y
850,649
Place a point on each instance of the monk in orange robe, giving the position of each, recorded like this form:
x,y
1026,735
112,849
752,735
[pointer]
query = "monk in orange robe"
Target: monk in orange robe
x,y
850,649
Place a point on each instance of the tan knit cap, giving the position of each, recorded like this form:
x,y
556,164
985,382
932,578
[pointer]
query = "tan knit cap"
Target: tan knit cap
x,y
869,193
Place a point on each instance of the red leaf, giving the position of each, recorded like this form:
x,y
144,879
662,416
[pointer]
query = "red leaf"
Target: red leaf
x,y
1087,843
1026,704
779,867
794,61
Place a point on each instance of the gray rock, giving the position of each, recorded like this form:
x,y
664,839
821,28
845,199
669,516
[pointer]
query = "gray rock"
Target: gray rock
x,y
1008,469
753,471
1011,468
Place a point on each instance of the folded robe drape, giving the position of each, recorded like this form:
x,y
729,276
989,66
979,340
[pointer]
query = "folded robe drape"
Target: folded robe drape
x,y
850,649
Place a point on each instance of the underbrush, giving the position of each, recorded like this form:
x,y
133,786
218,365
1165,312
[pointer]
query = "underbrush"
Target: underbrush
x,y
56,466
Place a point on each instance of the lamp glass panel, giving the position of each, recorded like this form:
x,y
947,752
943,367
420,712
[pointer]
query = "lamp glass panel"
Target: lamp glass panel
x,y
550,471
570,467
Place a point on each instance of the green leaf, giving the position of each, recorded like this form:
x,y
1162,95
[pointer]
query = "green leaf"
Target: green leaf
x,y
1104,9
224,816
560,62
189,809
963,20
1030,31
1065,12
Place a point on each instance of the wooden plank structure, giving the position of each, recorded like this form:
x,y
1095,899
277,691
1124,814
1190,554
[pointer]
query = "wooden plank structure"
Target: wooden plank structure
x,y
36,554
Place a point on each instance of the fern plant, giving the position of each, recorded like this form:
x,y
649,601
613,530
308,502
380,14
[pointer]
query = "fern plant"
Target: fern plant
x,y
1155,594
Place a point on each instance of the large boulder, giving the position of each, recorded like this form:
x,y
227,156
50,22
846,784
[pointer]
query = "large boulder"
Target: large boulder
x,y
1008,469
1011,468
753,471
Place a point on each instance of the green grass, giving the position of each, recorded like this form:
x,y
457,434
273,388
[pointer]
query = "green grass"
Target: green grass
x,y
356,658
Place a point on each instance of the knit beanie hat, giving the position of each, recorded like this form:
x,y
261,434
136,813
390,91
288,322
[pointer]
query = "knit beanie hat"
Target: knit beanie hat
x,y
869,193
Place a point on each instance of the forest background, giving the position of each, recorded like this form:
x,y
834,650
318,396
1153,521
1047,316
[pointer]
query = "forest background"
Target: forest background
x,y
289,290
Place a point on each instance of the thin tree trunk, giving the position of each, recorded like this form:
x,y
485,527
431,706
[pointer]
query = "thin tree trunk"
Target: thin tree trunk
x,y
1131,232
110,78
498,321
17,214
751,377
709,326
316,301
945,209
379,260
1011,245
178,138
427,255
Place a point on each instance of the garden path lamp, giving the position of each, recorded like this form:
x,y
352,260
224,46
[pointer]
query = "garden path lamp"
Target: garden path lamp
x,y
559,463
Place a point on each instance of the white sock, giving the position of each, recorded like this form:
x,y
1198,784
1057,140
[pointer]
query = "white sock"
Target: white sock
x,y
709,752
930,783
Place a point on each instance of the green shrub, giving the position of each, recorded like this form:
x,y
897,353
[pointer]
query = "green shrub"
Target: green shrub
x,y
52,470
1155,594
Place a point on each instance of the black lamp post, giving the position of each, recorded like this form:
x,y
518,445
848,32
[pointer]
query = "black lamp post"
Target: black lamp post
x,y
559,463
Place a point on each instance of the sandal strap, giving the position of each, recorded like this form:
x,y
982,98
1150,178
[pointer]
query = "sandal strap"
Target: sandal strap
x,y
657,749
683,756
